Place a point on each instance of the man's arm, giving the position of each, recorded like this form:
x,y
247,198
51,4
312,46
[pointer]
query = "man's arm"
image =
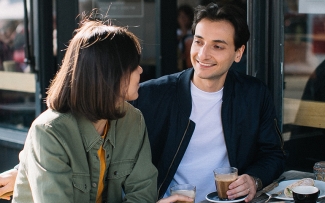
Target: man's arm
x,y
7,182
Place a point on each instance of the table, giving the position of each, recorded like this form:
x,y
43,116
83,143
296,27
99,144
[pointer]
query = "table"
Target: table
x,y
289,175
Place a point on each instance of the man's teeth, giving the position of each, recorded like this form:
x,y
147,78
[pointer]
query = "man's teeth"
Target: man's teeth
x,y
206,64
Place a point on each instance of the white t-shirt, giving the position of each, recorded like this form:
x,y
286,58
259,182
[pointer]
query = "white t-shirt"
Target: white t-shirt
x,y
207,149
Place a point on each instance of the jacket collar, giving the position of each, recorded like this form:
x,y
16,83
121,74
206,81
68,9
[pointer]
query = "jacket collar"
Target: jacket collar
x,y
184,98
111,132
228,86
184,92
226,110
90,137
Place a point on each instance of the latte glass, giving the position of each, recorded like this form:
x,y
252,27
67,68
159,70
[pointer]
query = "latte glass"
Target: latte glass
x,y
223,178
184,189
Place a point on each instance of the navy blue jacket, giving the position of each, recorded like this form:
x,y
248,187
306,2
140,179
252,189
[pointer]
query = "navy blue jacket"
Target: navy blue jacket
x,y
253,140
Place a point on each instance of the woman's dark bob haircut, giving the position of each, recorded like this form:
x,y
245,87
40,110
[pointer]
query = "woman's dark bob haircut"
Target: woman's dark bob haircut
x,y
97,62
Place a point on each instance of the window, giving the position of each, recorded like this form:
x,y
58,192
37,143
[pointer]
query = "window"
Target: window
x,y
17,83
139,16
304,92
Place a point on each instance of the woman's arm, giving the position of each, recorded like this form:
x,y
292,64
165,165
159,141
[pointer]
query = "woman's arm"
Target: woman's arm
x,y
141,184
44,174
174,198
7,182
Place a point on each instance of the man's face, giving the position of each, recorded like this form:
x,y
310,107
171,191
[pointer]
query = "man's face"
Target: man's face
x,y
212,53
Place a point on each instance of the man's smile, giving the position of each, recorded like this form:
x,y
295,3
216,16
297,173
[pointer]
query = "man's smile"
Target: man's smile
x,y
205,64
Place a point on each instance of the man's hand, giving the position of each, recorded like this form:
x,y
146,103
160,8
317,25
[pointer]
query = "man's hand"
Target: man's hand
x,y
244,185
175,197
7,182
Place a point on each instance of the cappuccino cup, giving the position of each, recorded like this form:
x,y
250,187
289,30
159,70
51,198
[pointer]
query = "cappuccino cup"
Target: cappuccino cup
x,y
223,178
9,66
305,194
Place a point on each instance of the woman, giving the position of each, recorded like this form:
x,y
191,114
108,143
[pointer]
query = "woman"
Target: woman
x,y
90,145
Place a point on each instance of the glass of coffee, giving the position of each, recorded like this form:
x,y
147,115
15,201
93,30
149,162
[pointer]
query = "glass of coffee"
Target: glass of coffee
x,y
184,189
223,178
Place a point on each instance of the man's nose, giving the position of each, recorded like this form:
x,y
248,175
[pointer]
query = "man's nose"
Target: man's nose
x,y
203,52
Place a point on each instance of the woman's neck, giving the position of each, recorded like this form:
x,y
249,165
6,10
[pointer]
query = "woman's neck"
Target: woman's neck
x,y
100,126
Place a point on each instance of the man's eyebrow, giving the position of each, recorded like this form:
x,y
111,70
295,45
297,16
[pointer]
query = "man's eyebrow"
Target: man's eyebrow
x,y
216,40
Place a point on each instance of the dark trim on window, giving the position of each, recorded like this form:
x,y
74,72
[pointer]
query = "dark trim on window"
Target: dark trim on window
x,y
265,53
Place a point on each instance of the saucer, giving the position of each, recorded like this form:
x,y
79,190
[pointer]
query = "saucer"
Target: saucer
x,y
213,197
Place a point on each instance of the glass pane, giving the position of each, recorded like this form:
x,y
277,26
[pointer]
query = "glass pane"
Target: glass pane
x,y
139,16
304,93
17,84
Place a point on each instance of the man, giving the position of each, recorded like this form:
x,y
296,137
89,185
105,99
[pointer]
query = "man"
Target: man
x,y
209,116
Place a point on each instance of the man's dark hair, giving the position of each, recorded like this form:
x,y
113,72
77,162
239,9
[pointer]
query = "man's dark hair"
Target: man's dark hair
x,y
230,13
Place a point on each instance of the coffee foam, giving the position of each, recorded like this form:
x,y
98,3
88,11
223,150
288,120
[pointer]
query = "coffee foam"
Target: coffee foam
x,y
188,193
225,177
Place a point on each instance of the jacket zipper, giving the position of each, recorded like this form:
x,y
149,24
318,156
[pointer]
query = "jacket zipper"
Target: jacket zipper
x,y
279,134
174,157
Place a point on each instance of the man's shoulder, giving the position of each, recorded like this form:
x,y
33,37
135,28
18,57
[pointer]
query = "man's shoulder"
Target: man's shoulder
x,y
170,79
166,80
243,80
245,86
165,88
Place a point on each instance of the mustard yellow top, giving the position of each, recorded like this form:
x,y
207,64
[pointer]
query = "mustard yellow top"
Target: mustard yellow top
x,y
102,160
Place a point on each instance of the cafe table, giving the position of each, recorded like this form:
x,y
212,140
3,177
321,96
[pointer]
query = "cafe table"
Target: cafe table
x,y
289,175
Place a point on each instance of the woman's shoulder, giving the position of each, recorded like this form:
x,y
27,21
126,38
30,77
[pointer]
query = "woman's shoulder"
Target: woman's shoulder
x,y
131,112
133,117
54,123
50,117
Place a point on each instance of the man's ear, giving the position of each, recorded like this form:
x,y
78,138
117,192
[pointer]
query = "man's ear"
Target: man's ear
x,y
239,53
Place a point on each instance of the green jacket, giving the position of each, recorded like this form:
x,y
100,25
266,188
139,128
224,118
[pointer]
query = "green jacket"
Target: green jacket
x,y
59,162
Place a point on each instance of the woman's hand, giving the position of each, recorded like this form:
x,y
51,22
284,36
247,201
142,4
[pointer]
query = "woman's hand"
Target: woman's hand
x,y
7,182
175,197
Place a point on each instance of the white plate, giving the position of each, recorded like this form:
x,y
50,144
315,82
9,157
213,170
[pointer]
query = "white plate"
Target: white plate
x,y
213,197
282,185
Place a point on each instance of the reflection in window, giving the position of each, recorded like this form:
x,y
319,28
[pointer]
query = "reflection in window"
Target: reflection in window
x,y
304,93
139,16
17,85
12,45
